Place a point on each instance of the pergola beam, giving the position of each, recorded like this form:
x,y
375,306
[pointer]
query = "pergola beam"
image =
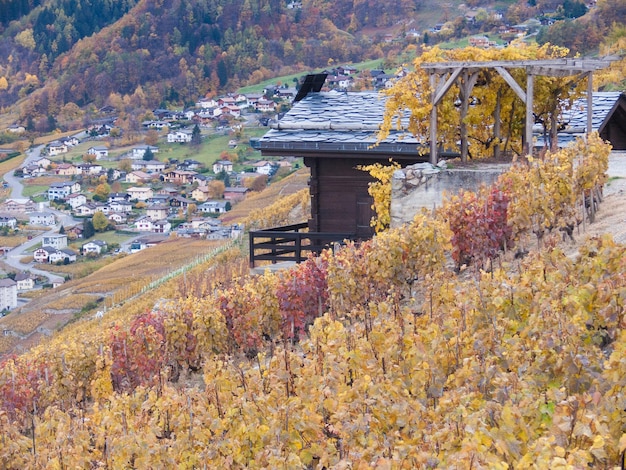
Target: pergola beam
x,y
548,67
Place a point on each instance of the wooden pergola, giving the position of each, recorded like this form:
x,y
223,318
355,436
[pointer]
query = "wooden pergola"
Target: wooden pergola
x,y
443,75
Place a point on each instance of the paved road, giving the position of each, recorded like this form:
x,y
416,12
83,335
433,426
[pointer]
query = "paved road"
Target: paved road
x,y
13,257
15,183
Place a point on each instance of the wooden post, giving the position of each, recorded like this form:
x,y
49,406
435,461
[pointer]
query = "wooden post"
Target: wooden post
x,y
589,102
496,124
530,121
433,120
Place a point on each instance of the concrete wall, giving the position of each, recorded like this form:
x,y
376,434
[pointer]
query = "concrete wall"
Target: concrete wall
x,y
423,186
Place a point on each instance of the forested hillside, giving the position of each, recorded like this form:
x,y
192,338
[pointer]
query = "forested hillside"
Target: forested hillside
x,y
56,53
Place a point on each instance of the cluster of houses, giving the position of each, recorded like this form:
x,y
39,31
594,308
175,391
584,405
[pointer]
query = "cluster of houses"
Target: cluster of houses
x,y
160,203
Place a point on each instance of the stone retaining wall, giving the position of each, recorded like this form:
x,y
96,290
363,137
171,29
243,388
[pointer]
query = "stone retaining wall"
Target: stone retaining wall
x,y
423,185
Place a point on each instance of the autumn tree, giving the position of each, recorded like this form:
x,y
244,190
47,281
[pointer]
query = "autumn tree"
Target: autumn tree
x,y
125,165
102,191
152,137
100,221
258,183
191,210
89,158
492,123
216,189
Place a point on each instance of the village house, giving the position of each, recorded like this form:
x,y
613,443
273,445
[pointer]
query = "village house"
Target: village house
x,y
66,169
56,148
168,191
233,111
140,193
42,254
149,166
206,103
45,219
201,179
189,165
24,281
346,70
222,165
101,127
99,151
157,212
94,246
70,141
160,199
56,240
60,256
32,171
265,106
145,224
235,193
181,202
75,200
87,209
23,205
178,176
138,176
62,190
200,194
154,124
139,152
8,294
16,129
117,218
252,99
146,242
10,222
74,232
89,168
122,207
341,82
118,197
42,162
264,167
162,226
182,137
48,254
226,101
214,207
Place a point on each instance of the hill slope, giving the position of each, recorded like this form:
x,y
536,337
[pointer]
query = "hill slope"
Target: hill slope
x,y
146,53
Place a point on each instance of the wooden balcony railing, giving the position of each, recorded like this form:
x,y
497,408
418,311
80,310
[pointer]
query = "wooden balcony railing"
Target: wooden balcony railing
x,y
288,243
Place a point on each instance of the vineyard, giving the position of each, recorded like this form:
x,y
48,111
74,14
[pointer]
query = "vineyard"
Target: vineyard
x,y
425,347
112,284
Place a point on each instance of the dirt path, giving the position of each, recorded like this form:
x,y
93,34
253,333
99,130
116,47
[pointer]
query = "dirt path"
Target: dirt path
x,y
611,216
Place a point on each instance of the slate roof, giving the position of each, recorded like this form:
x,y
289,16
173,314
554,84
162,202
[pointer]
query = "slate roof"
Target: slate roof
x,y
575,119
336,122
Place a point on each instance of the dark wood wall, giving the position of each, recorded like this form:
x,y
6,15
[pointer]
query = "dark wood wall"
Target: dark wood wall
x,y
340,202
615,129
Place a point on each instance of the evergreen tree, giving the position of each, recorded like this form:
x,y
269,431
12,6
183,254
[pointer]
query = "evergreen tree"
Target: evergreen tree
x,y
196,138
88,230
148,155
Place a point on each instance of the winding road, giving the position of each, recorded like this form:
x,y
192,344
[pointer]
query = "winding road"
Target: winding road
x,y
14,256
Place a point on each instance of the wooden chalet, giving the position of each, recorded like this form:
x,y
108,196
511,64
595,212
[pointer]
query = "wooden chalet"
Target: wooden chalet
x,y
335,133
